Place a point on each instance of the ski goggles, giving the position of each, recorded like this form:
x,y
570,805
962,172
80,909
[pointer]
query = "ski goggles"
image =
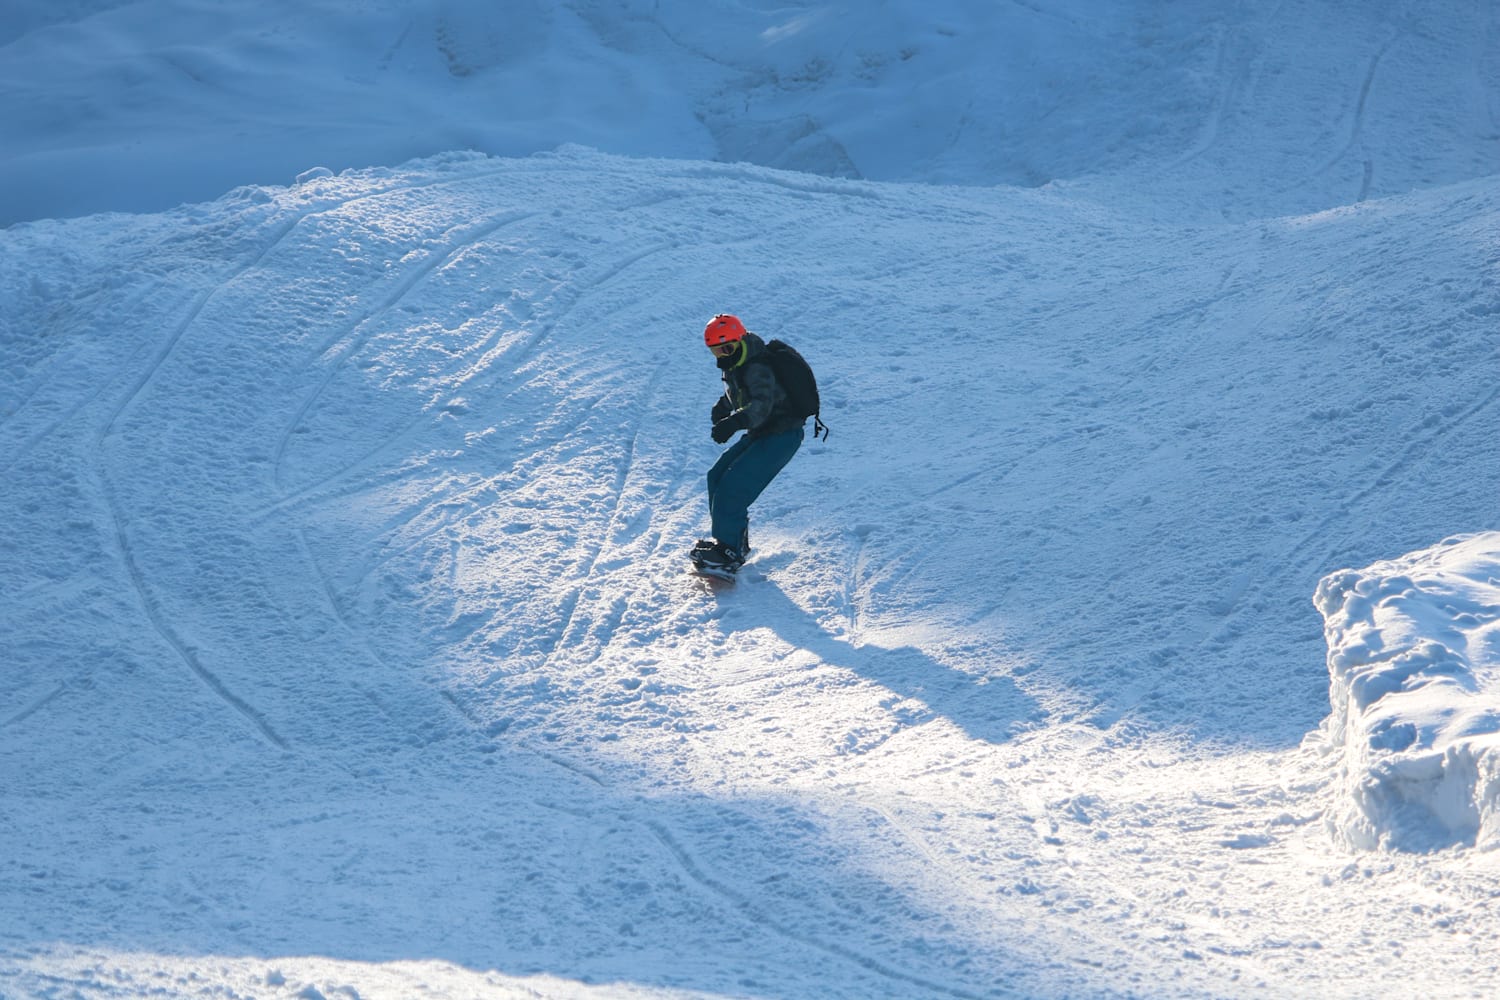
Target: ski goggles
x,y
725,349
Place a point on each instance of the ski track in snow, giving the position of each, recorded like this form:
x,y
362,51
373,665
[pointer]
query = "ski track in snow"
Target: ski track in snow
x,y
189,656
1356,121
901,980
350,341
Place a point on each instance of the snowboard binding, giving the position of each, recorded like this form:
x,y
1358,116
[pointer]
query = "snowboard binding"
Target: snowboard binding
x,y
715,559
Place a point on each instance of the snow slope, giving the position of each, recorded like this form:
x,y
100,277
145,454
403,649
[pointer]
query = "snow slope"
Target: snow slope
x,y
347,523
1238,110
352,653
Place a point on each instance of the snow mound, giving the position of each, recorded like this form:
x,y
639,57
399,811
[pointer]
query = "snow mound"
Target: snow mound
x,y
1414,678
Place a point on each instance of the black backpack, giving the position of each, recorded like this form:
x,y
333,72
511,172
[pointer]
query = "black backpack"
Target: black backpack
x,y
797,381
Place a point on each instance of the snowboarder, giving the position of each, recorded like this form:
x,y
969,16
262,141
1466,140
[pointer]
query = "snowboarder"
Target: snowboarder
x,y
754,401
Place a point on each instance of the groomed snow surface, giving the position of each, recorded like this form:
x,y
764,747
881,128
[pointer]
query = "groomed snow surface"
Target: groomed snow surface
x,y
1134,634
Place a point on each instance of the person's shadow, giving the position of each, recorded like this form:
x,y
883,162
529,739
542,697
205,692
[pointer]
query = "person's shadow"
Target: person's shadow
x,y
986,708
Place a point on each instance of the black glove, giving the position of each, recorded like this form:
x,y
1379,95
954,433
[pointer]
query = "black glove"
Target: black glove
x,y
722,409
726,428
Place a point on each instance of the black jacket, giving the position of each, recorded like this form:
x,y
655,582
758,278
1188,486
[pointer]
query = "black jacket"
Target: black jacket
x,y
755,399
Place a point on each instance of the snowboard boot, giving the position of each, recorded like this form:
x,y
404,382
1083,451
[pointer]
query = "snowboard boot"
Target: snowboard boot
x,y
719,556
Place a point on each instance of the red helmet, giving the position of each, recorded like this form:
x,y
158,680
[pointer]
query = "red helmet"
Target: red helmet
x,y
723,329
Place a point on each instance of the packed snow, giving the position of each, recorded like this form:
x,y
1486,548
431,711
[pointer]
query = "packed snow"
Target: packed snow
x,y
1132,635
1413,652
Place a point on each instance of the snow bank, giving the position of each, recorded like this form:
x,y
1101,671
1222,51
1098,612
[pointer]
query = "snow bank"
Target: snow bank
x,y
1414,679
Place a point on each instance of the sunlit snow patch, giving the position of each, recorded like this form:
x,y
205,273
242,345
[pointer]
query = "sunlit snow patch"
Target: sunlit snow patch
x,y
1414,679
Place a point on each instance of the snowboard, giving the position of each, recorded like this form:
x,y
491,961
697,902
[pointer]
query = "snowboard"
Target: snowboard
x,y
713,573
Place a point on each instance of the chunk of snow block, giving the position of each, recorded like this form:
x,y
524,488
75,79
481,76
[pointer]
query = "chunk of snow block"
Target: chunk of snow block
x,y
1414,682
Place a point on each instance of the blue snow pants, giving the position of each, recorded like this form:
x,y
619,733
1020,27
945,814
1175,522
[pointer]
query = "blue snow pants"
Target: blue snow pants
x,y
744,470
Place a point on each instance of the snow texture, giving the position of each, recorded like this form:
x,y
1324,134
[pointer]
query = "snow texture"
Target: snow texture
x,y
353,425
1414,663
